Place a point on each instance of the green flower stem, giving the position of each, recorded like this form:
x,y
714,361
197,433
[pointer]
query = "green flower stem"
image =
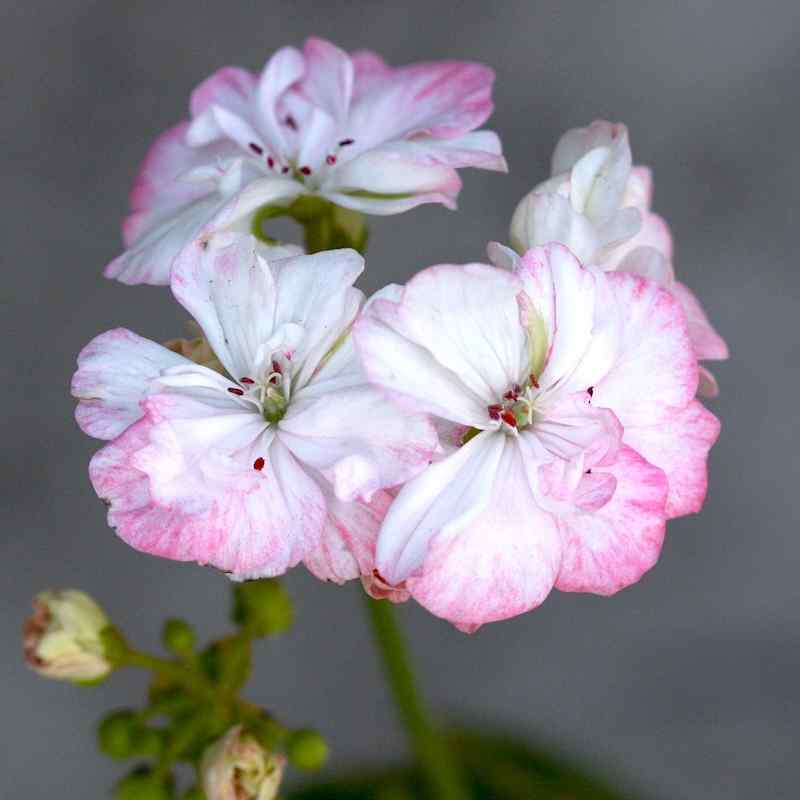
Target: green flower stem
x,y
435,759
176,672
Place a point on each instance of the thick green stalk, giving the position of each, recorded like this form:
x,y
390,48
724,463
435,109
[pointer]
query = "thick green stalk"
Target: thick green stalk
x,y
432,753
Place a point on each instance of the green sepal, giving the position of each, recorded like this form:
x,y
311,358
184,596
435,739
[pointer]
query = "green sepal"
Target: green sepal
x,y
144,784
118,732
115,648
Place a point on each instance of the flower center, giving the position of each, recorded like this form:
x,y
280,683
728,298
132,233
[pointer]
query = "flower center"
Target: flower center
x,y
515,410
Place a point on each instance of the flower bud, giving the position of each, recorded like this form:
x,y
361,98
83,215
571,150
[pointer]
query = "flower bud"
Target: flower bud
x,y
178,636
262,607
237,767
307,750
62,639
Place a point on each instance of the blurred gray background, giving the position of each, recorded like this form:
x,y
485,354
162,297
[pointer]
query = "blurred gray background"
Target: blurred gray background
x,y
684,686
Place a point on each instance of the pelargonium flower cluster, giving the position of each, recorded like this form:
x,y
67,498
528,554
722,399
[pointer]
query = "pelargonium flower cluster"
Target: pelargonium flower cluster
x,y
473,439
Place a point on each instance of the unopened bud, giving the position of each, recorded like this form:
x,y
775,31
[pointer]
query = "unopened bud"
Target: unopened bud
x,y
178,636
237,767
307,750
262,607
62,639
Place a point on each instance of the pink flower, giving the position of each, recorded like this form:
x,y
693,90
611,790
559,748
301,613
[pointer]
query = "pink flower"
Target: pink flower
x,y
348,128
283,458
598,204
572,392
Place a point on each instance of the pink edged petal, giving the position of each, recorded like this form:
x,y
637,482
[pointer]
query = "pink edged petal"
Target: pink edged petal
x,y
654,232
655,371
444,99
407,372
328,80
679,446
392,174
467,318
357,440
707,343
481,149
386,205
369,70
346,549
612,547
707,386
500,561
577,142
230,88
446,497
115,371
649,263
639,190
247,522
149,259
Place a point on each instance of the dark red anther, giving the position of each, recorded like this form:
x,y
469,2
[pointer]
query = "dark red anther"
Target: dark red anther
x,y
246,380
237,392
495,411
346,142
534,382
258,464
270,162
591,391
305,170
290,122
284,170
256,148
511,394
276,367
508,417
330,160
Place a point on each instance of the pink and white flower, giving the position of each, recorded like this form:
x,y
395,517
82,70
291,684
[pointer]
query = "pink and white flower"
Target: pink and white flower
x,y
284,457
598,205
345,127
572,394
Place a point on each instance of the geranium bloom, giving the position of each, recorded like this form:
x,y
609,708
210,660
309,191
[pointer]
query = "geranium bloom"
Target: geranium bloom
x,y
347,128
598,205
282,456
571,394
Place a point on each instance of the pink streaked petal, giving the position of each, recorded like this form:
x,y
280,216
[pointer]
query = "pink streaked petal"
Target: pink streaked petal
x,y
357,440
387,205
282,70
612,547
115,371
445,498
444,99
401,168
369,70
655,371
328,80
249,523
346,549
499,562
481,149
679,446
707,343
